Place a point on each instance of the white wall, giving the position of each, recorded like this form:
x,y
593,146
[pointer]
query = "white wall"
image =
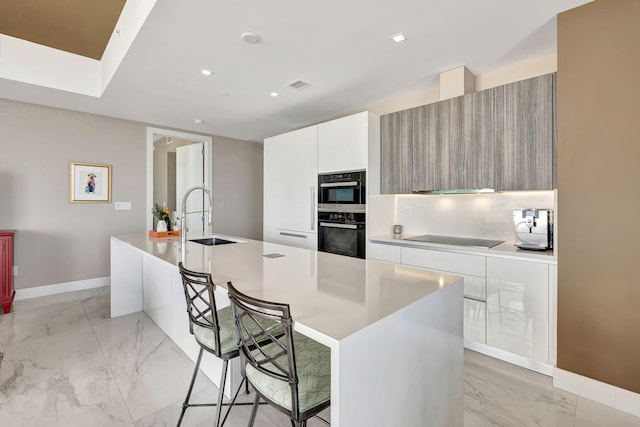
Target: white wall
x,y
487,216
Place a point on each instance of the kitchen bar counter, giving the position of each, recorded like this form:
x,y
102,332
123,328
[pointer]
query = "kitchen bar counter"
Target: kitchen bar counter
x,y
395,332
503,250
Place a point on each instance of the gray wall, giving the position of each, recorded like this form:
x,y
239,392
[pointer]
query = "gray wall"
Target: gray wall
x,y
58,241
237,187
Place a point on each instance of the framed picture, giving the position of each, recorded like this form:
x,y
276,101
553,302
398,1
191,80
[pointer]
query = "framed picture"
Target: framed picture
x,y
90,182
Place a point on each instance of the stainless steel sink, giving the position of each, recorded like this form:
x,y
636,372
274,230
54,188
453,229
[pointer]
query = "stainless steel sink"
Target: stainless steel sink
x,y
212,241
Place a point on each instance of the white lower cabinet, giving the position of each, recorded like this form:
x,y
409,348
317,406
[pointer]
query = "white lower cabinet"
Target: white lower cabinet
x,y
518,307
297,239
509,304
475,320
472,270
383,252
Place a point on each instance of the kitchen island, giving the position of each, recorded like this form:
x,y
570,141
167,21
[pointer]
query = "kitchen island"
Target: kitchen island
x,y
395,332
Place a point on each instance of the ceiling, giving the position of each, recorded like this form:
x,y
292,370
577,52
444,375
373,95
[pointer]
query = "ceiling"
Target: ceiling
x,y
77,26
342,48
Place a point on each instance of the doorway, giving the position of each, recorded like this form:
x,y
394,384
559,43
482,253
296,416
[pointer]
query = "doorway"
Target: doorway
x,y
182,161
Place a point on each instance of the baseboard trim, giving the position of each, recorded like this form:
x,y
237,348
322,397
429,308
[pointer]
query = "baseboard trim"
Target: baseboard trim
x,y
607,394
524,362
58,288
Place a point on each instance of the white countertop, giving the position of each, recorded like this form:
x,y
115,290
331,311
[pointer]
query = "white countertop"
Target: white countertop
x,y
503,250
332,295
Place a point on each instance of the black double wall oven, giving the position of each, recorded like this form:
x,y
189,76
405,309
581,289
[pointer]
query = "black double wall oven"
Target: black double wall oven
x,y
341,213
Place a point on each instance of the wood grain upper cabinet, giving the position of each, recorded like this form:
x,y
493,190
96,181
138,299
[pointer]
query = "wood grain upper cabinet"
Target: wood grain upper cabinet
x,y
396,162
524,115
473,155
434,127
453,143
502,138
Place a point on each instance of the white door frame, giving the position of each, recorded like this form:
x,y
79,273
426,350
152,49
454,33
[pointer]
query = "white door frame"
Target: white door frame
x,y
208,162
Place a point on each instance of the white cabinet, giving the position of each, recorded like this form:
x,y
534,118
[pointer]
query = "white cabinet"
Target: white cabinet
x,y
290,187
382,252
343,144
518,307
472,270
475,320
470,267
509,305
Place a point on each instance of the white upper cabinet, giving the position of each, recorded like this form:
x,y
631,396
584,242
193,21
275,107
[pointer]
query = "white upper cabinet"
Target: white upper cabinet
x,y
343,144
290,182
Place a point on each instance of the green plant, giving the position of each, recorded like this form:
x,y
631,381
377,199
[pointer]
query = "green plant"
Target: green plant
x,y
162,214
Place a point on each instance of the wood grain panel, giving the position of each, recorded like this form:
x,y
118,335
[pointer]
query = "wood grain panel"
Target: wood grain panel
x,y
524,148
396,163
474,152
431,155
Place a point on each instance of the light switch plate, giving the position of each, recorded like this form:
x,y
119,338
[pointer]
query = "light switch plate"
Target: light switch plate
x,y
123,206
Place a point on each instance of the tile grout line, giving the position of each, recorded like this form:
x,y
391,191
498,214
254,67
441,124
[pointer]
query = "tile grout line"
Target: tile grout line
x,y
106,360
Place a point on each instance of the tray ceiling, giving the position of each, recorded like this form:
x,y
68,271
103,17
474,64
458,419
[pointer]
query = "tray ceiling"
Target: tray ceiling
x,y
77,26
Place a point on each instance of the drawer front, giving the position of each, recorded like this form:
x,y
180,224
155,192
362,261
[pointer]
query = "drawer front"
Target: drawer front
x,y
475,320
475,287
297,239
383,252
446,261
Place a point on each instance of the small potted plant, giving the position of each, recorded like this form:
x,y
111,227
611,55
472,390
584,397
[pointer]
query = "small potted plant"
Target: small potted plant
x,y
163,215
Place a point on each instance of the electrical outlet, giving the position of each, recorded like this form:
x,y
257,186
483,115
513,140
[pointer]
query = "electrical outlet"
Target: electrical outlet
x,y
407,210
15,270
123,206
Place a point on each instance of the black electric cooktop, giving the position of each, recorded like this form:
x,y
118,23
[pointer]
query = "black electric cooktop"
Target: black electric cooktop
x,y
458,241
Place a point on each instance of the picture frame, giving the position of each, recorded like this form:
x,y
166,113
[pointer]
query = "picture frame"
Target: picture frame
x,y
90,183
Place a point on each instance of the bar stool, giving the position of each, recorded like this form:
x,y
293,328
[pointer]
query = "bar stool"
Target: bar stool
x,y
292,372
214,330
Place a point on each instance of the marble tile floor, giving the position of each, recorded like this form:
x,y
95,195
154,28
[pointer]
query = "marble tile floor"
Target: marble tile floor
x,y
68,364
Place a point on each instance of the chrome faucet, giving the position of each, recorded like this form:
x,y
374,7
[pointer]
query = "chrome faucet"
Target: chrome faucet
x,y
183,217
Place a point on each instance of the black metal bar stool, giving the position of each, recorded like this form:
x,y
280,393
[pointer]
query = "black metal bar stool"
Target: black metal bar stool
x,y
296,381
215,332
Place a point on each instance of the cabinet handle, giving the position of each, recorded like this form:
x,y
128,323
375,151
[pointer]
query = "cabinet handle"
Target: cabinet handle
x,y
339,184
474,298
302,236
313,208
333,225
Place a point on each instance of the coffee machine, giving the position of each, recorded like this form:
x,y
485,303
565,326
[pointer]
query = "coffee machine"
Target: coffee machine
x,y
533,228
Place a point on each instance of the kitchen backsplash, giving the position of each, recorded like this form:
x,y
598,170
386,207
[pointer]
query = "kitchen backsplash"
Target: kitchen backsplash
x,y
466,215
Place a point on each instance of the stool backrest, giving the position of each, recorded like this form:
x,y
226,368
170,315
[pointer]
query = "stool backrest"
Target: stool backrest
x,y
201,302
275,355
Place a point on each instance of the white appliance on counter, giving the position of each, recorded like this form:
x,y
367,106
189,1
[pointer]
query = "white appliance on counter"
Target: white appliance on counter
x,y
533,228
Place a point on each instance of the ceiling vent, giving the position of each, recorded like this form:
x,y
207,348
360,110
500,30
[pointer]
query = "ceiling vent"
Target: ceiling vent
x,y
298,84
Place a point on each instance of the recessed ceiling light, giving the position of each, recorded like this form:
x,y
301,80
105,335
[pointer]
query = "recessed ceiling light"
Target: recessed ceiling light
x,y
251,38
274,94
197,121
206,72
398,38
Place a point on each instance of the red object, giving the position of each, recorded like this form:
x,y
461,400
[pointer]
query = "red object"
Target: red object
x,y
6,270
